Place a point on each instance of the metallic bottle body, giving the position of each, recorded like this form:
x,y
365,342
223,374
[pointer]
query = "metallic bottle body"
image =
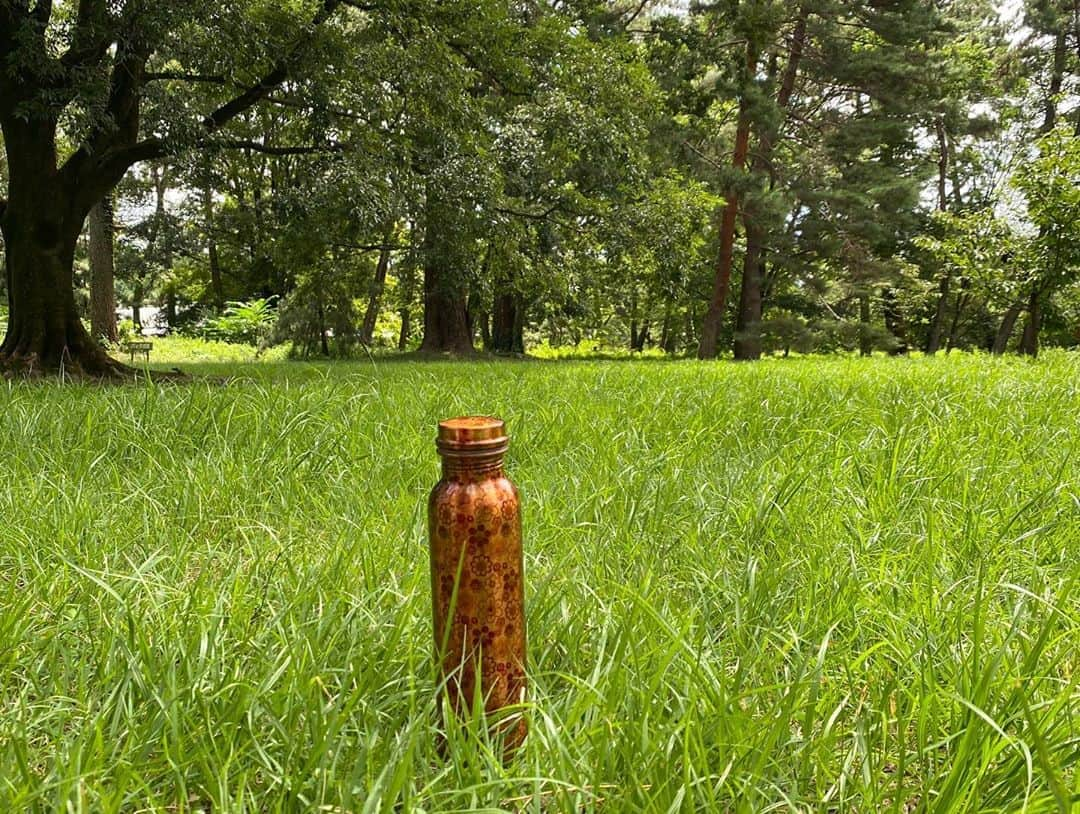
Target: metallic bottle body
x,y
478,601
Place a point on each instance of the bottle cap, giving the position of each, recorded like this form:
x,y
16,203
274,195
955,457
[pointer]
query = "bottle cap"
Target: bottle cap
x,y
472,434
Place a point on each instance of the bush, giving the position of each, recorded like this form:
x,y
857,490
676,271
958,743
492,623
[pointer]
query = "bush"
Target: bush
x,y
244,323
319,318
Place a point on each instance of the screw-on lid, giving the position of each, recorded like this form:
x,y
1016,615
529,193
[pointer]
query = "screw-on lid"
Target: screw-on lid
x,y
472,433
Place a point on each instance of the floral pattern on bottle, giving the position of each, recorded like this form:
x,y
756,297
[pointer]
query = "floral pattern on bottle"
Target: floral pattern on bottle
x,y
474,524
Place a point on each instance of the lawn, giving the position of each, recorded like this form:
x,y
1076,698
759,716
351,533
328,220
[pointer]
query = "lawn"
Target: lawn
x,y
800,585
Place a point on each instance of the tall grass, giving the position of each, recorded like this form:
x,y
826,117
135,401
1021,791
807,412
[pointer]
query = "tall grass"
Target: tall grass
x,y
813,585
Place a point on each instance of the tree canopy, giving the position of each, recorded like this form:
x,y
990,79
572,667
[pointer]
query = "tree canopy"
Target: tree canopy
x,y
754,176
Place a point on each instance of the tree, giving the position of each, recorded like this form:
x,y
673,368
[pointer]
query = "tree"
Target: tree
x,y
1049,184
969,110
982,250
92,62
817,80
1051,24
102,269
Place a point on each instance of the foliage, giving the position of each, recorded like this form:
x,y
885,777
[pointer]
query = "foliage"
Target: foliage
x,y
982,250
1050,183
127,331
246,323
558,173
320,315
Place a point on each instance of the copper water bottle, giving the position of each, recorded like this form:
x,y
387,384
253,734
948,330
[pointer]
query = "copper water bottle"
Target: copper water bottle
x,y
478,597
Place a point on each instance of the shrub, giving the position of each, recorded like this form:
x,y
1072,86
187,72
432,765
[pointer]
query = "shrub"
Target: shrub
x,y
246,323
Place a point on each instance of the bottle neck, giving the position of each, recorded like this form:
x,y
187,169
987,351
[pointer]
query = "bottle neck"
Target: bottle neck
x,y
468,467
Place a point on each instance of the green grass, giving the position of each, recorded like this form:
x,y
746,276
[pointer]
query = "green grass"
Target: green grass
x,y
805,585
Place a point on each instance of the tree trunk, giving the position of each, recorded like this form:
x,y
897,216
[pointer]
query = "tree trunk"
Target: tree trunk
x,y
217,286
894,321
41,225
136,305
102,289
43,326
406,275
667,332
446,305
710,327
485,331
933,339
469,324
507,325
45,333
1029,342
403,335
519,327
638,338
170,309
367,330
446,325
1057,77
748,325
324,343
1005,330
866,343
507,333
954,328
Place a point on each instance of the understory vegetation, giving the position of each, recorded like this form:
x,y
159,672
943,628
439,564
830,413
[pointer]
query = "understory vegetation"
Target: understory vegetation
x,y
818,584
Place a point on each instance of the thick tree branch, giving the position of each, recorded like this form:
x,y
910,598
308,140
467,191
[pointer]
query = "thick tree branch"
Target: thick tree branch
x,y
268,149
275,77
91,37
102,161
334,110
372,247
538,216
84,169
634,13
180,76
